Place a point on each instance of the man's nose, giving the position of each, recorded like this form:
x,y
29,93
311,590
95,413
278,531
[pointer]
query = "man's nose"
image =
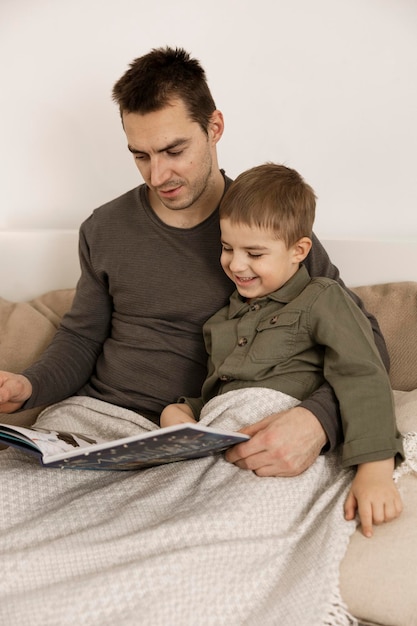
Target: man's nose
x,y
160,173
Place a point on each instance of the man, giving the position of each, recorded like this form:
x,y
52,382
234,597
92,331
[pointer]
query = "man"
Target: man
x,y
151,277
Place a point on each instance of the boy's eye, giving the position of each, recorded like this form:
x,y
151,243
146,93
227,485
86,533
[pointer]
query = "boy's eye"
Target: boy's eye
x,y
254,256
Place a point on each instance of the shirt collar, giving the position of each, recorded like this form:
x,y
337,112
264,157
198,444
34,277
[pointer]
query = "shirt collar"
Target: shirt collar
x,y
288,292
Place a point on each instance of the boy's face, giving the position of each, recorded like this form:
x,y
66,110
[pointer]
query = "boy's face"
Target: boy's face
x,y
255,260
175,157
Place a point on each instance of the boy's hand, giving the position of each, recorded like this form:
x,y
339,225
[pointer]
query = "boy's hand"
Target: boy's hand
x,y
373,495
176,414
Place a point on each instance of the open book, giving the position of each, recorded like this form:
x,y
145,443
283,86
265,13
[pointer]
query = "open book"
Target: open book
x,y
77,451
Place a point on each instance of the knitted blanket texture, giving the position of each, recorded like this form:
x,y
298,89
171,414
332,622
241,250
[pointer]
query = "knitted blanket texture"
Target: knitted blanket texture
x,y
183,544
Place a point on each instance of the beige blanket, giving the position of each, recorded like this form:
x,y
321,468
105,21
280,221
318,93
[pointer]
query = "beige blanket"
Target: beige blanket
x,y
195,542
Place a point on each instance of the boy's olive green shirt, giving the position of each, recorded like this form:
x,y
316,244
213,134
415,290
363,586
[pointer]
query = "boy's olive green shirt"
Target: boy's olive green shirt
x,y
306,332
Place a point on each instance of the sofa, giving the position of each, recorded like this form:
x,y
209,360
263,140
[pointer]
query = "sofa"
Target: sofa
x,y
377,576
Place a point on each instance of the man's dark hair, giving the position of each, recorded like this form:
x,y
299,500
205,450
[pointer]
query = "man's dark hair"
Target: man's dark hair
x,y
154,80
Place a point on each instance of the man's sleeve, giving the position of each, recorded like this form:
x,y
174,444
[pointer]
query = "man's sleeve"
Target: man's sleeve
x,y
69,360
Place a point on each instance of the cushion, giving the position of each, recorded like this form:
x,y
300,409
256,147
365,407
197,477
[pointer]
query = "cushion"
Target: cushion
x,y
395,307
26,328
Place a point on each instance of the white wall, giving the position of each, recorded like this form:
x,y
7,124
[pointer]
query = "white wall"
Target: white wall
x,y
328,87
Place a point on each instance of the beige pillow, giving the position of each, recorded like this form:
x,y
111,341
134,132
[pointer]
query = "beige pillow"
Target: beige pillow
x,y
26,328
395,307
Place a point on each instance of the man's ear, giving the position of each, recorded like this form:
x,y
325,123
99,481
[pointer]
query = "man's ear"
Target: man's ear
x,y
301,248
216,126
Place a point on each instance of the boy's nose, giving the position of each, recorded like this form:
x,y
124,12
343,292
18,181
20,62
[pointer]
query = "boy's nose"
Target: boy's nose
x,y
237,263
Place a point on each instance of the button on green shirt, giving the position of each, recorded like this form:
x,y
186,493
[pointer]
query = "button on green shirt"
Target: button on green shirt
x,y
306,332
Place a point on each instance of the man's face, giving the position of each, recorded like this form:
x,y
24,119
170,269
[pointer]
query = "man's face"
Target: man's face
x,y
173,154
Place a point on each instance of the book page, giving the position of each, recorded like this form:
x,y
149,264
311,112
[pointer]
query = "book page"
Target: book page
x,y
48,442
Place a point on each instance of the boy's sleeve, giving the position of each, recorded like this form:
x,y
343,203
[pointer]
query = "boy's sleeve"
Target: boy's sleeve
x,y
323,402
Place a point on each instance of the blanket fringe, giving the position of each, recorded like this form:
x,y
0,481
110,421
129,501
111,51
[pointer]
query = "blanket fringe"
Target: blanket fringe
x,y
409,465
338,614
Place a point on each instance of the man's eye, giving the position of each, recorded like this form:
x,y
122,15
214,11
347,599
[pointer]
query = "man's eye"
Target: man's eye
x,y
174,154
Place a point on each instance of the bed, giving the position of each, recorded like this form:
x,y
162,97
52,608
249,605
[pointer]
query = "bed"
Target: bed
x,y
38,271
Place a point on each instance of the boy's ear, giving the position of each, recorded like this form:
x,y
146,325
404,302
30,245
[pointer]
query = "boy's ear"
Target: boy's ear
x,y
301,248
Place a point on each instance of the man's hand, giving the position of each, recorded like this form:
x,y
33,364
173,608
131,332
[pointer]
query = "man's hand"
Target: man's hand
x,y
283,444
15,389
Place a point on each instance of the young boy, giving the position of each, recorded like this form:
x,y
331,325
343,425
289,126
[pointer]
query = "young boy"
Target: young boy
x,y
286,331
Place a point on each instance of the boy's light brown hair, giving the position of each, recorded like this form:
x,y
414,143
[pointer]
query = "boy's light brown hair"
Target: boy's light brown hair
x,y
271,196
